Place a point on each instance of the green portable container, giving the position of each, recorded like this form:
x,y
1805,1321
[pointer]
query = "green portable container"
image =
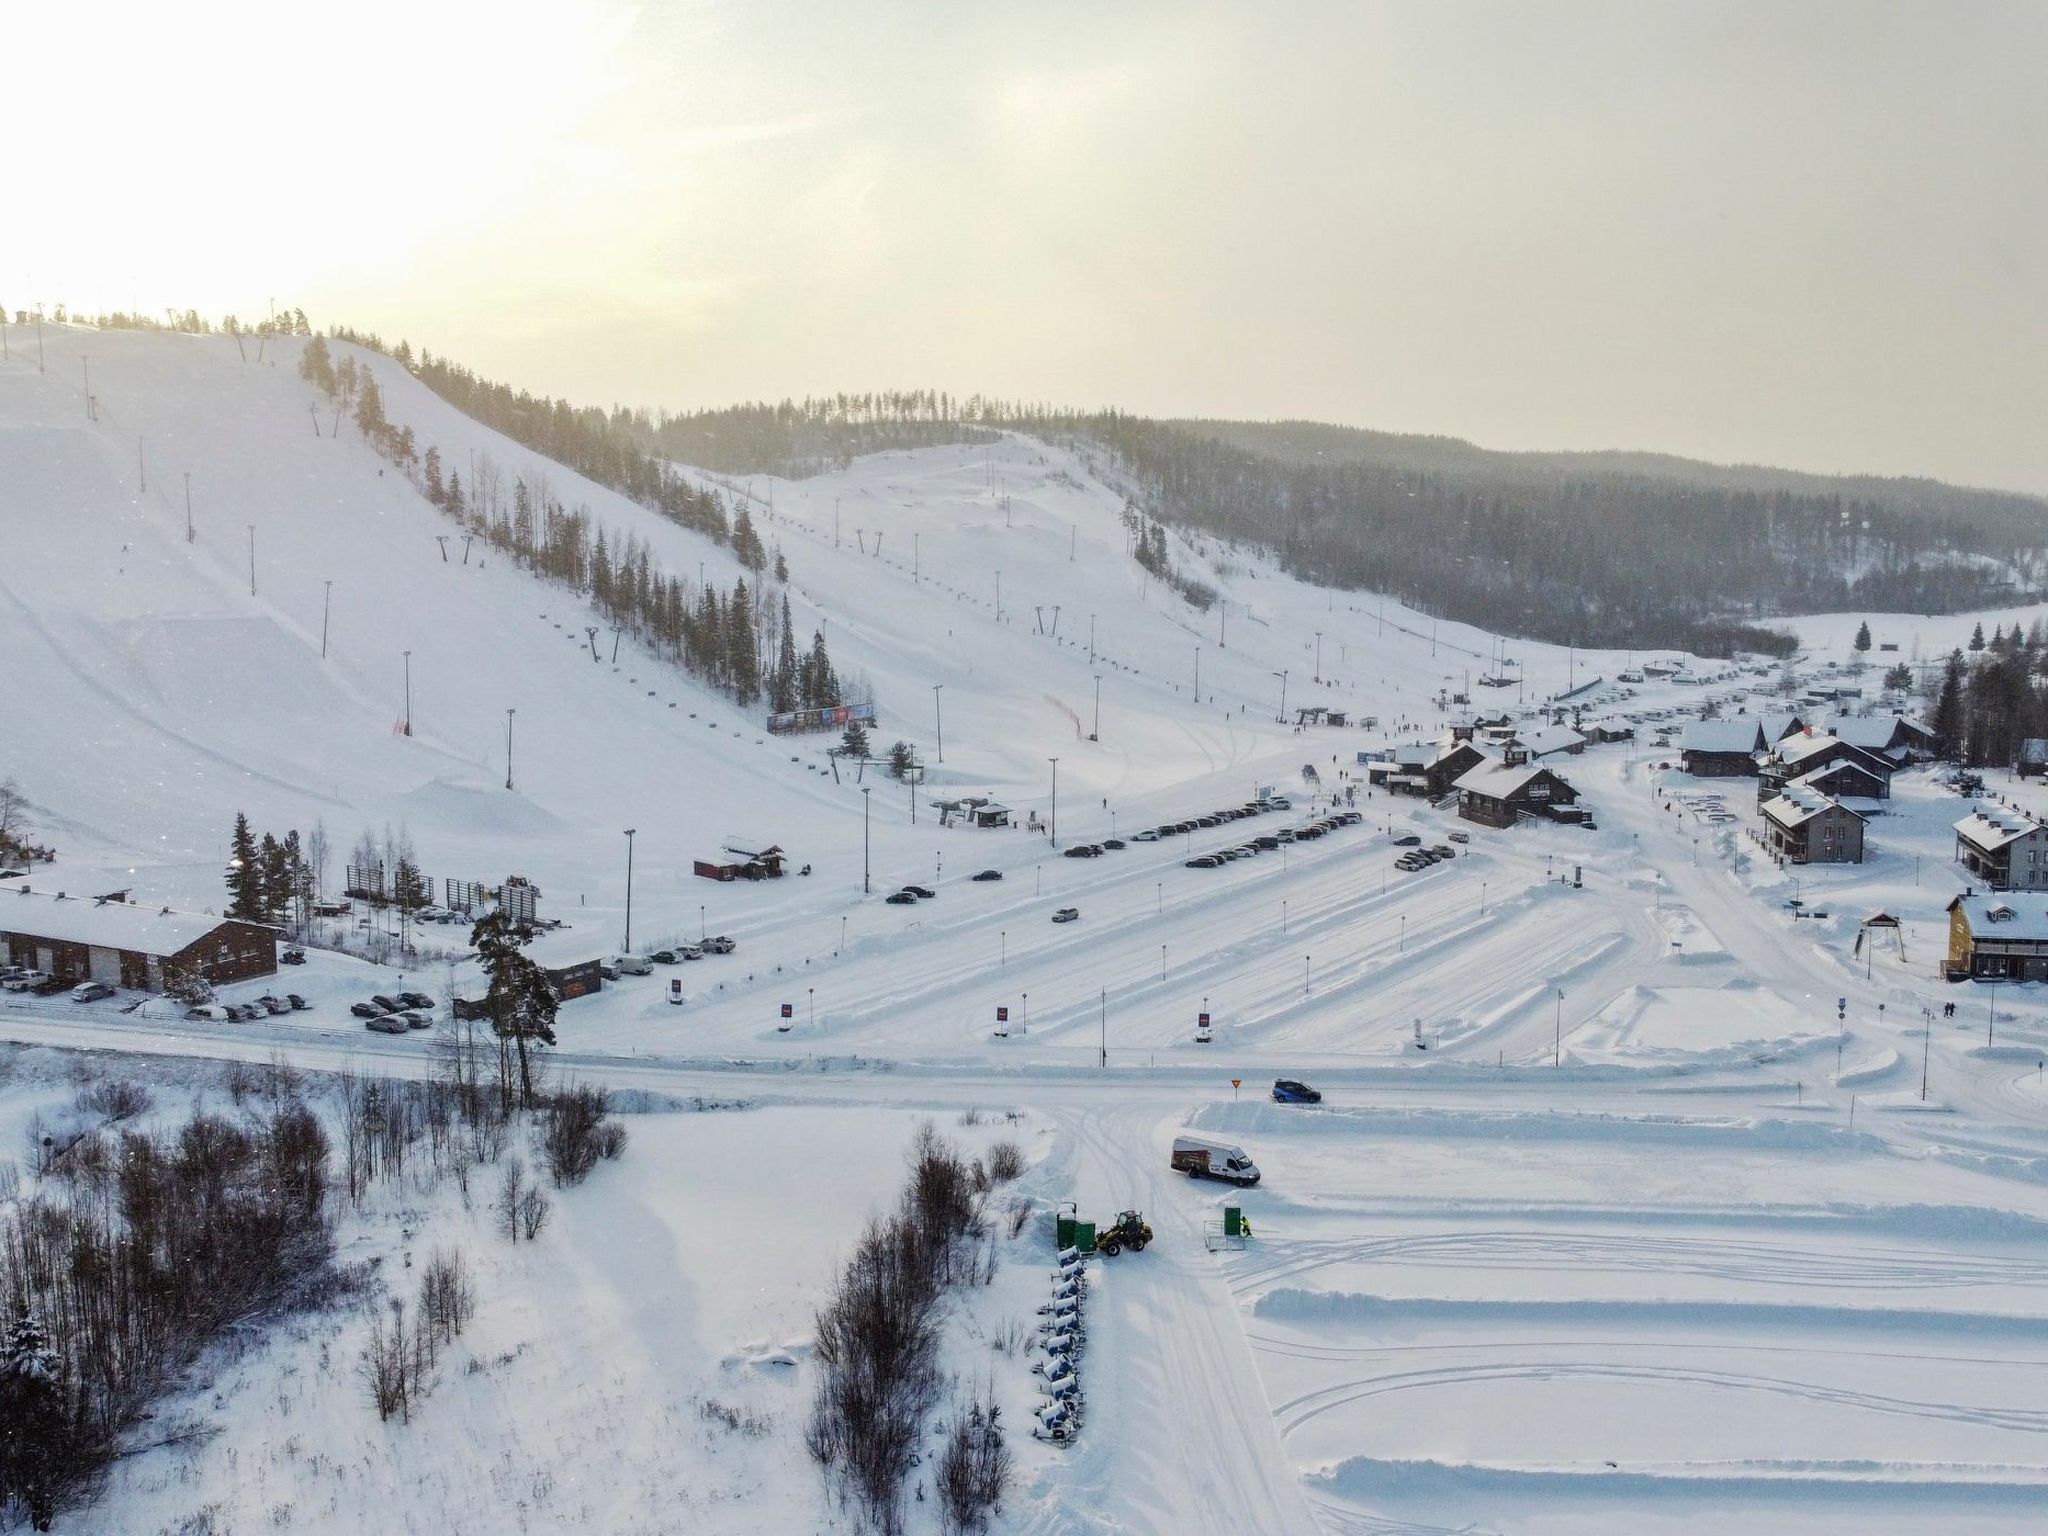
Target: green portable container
x,y
1233,1221
1084,1236
1063,1229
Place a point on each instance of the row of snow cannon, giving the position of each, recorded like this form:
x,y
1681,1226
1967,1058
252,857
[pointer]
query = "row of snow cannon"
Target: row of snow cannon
x,y
1060,1336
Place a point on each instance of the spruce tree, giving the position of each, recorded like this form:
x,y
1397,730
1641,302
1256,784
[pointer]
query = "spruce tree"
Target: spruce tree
x,y
1948,723
854,742
316,366
820,683
32,1419
437,493
519,1000
1862,637
1977,637
744,666
245,873
782,682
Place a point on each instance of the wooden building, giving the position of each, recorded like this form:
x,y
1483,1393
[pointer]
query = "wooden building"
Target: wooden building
x,y
1805,826
99,939
1807,752
1498,794
1997,936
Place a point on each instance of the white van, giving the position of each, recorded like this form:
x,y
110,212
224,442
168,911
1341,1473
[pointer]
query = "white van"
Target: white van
x,y
633,965
1200,1158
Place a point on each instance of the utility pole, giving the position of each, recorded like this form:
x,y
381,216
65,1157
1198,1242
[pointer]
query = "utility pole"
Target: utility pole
x,y
1319,656
141,468
629,888
865,887
188,506
1926,1040
913,559
1055,800
1282,716
1096,734
939,720
1557,1032
835,522
1223,625
408,693
252,559
1091,639
1105,1027
999,597
326,603
508,749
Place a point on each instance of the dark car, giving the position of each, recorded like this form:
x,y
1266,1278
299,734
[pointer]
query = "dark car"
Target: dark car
x,y
386,1024
292,956
664,957
388,1004
366,1010
416,1000
719,944
297,1001
1267,841
988,874
1408,840
1202,861
900,899
1113,843
52,987
1287,1091
921,892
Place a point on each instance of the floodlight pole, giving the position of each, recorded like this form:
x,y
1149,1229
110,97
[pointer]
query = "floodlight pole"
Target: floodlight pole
x,y
629,888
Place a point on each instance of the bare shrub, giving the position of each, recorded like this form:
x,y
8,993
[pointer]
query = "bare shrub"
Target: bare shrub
x,y
738,1421
1005,1161
387,1363
534,1210
974,1464
115,1098
970,1116
573,1135
447,1295
511,1191
238,1079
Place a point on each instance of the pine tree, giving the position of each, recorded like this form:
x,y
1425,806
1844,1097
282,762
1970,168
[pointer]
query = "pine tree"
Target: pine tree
x,y
820,684
316,366
276,881
854,743
781,566
1977,637
901,760
519,1000
1862,637
245,873
746,543
437,493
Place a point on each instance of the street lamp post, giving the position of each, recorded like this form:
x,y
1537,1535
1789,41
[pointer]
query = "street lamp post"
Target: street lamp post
x,y
939,721
1096,734
326,602
1557,1032
865,887
1055,829
1926,1040
1282,716
408,693
508,748
629,888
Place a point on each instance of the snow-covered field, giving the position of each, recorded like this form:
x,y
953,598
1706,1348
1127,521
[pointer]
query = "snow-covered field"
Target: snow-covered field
x,y
1609,1221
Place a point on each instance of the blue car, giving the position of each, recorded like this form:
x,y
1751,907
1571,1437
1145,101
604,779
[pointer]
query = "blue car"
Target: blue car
x,y
1287,1091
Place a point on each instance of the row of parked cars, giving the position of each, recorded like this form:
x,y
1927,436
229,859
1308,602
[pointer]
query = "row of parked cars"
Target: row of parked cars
x,y
1214,819
1269,842
643,965
1414,856
21,978
243,1013
394,1015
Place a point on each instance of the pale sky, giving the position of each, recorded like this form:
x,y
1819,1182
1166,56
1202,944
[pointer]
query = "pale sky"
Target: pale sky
x,y
1805,234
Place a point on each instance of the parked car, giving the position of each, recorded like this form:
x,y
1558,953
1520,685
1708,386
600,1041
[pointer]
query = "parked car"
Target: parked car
x,y
1113,844
414,1019
292,955
1287,1091
922,893
1149,835
1460,837
386,1024
298,1003
416,1000
273,1005
50,986
1066,915
689,952
633,965
366,1010
719,944
91,992
25,981
663,956
900,899
388,1004
1267,841
988,874
607,970
212,1012
1201,861
1408,840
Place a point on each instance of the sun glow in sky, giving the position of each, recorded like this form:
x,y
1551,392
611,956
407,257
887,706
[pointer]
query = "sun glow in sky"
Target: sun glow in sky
x,y
1814,235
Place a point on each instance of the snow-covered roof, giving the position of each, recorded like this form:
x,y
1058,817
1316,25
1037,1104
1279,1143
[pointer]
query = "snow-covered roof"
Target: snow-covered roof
x,y
1552,738
1873,733
109,925
1798,803
1776,727
1811,780
1735,734
1991,827
2005,916
1497,780
1794,750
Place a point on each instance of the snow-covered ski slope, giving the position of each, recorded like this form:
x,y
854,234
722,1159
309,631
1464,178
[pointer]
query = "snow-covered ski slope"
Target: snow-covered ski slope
x,y
1608,1223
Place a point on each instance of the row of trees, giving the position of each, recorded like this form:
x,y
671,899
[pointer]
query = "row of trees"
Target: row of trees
x,y
877,1348
130,1254
275,880
1993,697
719,636
16,832
799,438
